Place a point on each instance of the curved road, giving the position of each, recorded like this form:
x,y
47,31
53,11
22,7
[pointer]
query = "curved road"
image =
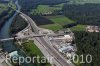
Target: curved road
x,y
57,56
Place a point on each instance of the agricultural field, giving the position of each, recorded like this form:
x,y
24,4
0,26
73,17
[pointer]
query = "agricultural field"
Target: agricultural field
x,y
84,1
53,27
79,28
47,9
58,22
32,50
61,20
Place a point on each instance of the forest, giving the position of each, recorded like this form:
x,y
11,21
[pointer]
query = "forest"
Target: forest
x,y
30,4
5,12
82,14
18,24
88,43
87,14
4,16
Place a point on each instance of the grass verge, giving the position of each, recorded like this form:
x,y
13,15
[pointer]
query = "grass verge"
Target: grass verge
x,y
32,50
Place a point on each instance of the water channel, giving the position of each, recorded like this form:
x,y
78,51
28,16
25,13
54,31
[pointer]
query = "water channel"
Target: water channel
x,y
9,46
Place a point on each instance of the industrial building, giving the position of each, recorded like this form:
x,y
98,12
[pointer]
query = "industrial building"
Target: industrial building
x,y
66,49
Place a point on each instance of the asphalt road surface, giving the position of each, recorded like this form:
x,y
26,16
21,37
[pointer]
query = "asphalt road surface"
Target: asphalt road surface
x,y
62,61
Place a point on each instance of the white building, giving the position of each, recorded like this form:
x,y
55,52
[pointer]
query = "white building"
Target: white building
x,y
66,49
65,38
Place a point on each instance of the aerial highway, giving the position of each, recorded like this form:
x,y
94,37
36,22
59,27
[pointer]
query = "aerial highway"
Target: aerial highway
x,y
57,56
30,36
22,37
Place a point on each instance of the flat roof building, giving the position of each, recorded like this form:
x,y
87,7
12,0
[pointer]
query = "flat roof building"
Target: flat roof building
x,y
66,49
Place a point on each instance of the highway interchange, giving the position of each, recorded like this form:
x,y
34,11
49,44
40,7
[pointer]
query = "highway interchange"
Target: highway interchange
x,y
57,56
61,61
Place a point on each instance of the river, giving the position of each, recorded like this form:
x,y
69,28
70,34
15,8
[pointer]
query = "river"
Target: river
x,y
9,46
5,32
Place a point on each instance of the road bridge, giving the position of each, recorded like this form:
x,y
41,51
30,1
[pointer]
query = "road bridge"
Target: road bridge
x,y
58,58
30,36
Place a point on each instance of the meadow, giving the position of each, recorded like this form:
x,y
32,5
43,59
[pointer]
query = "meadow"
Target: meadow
x,y
61,20
32,50
58,22
46,9
79,28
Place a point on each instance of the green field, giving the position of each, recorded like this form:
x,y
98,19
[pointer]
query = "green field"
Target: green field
x,y
59,21
32,50
53,27
84,1
79,28
46,9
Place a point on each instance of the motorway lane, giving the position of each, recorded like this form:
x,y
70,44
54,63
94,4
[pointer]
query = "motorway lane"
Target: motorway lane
x,y
51,50
32,23
43,42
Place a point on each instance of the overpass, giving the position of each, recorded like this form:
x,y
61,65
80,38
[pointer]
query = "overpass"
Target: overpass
x,y
15,38
59,60
30,36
